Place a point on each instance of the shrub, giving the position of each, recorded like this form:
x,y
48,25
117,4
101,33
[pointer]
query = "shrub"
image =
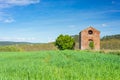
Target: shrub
x,y
65,42
91,45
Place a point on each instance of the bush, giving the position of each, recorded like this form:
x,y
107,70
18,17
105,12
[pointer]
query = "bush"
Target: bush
x,y
91,45
65,42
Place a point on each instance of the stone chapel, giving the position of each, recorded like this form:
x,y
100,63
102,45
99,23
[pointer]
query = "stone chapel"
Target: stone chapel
x,y
87,36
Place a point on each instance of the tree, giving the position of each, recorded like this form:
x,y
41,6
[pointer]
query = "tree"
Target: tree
x,y
65,42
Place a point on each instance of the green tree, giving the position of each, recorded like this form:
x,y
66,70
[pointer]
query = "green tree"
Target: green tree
x,y
65,42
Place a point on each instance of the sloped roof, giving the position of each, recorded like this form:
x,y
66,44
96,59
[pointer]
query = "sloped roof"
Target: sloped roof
x,y
90,27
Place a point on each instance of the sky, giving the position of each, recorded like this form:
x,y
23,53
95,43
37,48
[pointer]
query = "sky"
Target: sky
x,y
42,21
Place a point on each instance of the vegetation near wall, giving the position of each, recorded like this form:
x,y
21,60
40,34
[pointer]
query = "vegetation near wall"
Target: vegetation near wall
x,y
91,45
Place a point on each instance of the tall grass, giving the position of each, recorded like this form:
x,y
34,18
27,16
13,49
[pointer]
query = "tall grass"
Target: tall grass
x,y
111,44
59,65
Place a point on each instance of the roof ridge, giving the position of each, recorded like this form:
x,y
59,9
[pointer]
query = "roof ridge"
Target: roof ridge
x,y
90,27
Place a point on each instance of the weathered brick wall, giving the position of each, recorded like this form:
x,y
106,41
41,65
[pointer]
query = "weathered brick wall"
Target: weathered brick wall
x,y
85,36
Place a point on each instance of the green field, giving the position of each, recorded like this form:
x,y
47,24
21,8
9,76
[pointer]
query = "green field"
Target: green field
x,y
59,65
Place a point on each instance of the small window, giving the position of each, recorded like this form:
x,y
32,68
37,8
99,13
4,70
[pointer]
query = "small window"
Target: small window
x,y
90,32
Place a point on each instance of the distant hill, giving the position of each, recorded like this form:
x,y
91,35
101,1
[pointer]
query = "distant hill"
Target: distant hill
x,y
5,43
117,36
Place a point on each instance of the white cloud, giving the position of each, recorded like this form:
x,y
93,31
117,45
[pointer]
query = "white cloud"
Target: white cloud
x,y
9,20
4,5
114,11
104,25
18,39
6,18
50,39
113,2
10,3
72,26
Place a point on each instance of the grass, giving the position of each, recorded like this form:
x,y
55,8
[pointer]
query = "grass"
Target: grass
x,y
59,65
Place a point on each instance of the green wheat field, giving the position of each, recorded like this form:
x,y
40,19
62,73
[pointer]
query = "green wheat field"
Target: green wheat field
x,y
59,65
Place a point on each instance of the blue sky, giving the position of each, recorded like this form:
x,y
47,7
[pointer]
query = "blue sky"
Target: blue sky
x,y
43,20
